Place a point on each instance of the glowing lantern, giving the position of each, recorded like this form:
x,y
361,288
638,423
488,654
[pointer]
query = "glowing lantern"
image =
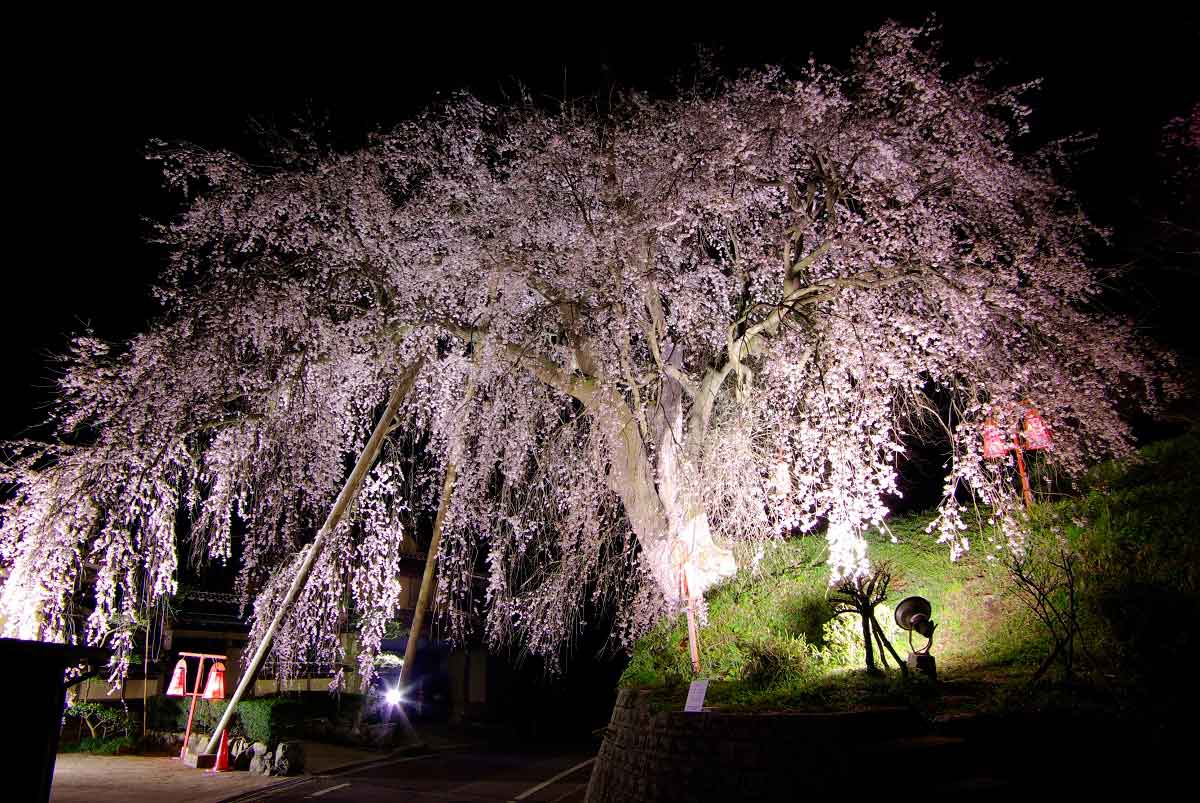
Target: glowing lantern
x,y
215,688
1034,431
178,686
994,442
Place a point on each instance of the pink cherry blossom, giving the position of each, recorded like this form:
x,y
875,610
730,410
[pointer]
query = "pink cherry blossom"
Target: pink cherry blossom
x,y
695,322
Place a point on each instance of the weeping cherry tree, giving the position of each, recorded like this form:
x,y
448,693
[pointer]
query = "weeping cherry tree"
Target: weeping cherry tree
x,y
650,337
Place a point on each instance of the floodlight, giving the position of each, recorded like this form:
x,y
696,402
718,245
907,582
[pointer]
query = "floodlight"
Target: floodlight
x,y
913,614
393,696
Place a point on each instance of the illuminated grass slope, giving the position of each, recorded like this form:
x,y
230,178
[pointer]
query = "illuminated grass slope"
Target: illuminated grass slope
x,y
770,641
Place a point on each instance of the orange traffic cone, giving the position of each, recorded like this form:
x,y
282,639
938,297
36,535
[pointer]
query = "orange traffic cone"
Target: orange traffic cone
x,y
222,762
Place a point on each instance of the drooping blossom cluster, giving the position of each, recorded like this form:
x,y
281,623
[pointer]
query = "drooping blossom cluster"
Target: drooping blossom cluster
x,y
690,322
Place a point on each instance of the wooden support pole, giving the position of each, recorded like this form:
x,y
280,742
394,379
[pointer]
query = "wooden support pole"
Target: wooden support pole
x,y
349,491
426,594
693,630
1025,490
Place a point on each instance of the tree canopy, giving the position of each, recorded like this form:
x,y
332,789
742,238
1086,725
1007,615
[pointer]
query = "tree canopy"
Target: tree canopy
x,y
651,334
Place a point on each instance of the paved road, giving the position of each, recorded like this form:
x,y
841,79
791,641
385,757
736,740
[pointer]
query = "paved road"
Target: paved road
x,y
82,778
471,775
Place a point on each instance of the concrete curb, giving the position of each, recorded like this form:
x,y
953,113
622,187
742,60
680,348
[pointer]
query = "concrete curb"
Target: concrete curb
x,y
404,752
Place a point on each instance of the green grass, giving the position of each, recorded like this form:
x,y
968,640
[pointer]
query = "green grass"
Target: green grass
x,y
771,640
771,643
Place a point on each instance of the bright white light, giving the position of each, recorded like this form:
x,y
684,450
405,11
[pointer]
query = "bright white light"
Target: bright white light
x,y
392,697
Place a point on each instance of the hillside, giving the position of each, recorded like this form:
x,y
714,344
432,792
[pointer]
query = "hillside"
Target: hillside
x,y
1127,534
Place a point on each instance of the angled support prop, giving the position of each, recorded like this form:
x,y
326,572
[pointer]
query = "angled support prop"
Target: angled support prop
x,y
349,491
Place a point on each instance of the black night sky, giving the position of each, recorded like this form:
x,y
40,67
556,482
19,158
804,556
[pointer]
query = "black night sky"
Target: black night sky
x,y
89,93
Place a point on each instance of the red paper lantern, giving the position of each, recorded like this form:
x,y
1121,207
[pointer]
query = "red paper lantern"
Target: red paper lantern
x,y
994,443
215,688
1034,431
178,686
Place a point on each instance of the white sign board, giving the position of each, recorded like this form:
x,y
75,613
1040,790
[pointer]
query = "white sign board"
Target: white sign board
x,y
695,698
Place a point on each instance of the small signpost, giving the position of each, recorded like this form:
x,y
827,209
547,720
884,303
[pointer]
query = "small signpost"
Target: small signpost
x,y
695,698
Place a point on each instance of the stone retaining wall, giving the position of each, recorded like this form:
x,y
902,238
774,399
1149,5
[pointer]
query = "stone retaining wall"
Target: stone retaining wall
x,y
675,756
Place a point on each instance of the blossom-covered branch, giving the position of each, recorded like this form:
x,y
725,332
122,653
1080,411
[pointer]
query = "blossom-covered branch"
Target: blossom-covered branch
x,y
688,322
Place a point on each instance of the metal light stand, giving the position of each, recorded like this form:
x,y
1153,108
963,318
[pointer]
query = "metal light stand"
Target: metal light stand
x,y
912,613
187,735
1026,492
920,660
1031,429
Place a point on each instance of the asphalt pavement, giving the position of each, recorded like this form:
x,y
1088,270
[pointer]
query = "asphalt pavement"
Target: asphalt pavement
x,y
471,775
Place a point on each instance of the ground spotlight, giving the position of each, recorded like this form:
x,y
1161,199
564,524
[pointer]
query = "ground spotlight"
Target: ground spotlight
x,y
912,614
393,696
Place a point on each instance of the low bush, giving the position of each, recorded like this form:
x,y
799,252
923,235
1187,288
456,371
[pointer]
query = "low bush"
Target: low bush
x,y
268,719
770,661
104,721
164,713
260,719
103,746
208,713
1136,579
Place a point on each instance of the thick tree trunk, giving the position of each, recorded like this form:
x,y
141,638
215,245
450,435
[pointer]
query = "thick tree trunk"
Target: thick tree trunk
x,y
349,491
677,544
671,528
659,513
663,519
